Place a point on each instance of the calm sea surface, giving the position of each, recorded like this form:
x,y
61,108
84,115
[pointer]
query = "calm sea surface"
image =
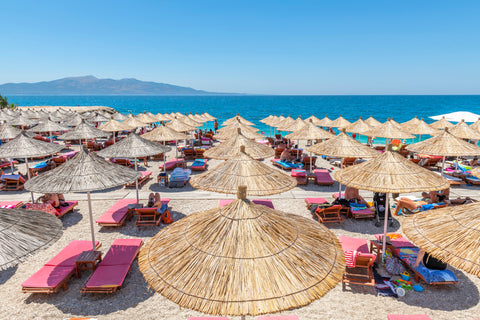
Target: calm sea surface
x,y
255,108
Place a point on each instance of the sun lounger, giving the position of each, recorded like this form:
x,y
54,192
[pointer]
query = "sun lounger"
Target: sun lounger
x,y
172,164
6,164
323,177
292,317
48,208
117,214
328,215
112,270
300,175
207,318
10,204
199,165
286,165
454,181
146,175
472,180
56,272
123,162
265,202
314,201
152,216
359,269
408,317
12,182
361,213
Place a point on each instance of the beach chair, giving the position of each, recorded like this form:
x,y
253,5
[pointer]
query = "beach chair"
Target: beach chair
x,y
117,214
188,154
472,180
124,162
328,215
264,202
158,157
361,212
291,317
48,208
92,146
278,152
199,154
300,175
359,261
347,162
306,163
323,177
153,216
286,165
408,317
10,204
113,269
7,164
56,272
179,178
172,164
12,182
199,165
314,201
146,175
454,181
431,163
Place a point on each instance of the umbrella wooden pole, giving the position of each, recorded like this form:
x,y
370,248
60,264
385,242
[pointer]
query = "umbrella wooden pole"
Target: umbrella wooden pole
x,y
443,164
385,225
136,180
176,149
28,175
91,219
164,156
339,184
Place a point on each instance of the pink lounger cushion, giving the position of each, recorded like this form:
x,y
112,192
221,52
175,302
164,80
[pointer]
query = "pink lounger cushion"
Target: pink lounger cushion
x,y
172,163
69,254
298,173
9,204
335,195
265,202
64,210
108,276
48,276
365,211
356,244
122,252
292,317
311,201
207,318
408,317
145,174
117,212
323,176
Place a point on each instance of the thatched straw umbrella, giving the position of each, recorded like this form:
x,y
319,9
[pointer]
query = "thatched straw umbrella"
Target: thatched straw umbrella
x,y
462,130
359,127
371,121
22,121
114,126
441,124
412,122
476,125
7,131
163,133
237,118
49,126
163,117
340,122
389,130
98,118
119,116
226,133
24,233
445,145
242,259
314,119
145,118
390,173
134,123
180,126
296,125
72,121
191,122
208,116
267,119
230,148
260,178
325,122
84,131
420,127
450,234
25,147
135,147
288,121
84,173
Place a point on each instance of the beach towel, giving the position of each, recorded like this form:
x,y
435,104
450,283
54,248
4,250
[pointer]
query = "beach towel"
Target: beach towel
x,y
40,165
198,162
350,258
12,177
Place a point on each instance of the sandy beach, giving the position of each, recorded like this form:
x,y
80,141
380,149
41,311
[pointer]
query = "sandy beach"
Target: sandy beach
x,y
136,300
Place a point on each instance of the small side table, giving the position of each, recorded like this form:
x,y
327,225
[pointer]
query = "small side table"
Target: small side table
x,y
163,178
87,260
311,177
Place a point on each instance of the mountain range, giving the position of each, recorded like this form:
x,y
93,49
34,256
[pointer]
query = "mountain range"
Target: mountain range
x,y
90,85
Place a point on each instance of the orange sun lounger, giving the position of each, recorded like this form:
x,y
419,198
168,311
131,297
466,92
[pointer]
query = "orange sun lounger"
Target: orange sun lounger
x,y
146,175
116,215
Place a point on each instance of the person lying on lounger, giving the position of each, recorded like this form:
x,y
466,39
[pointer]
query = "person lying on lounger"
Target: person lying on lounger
x,y
429,261
352,195
427,198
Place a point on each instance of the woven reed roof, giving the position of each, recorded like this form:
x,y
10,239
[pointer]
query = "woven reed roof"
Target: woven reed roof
x,y
163,117
242,259
48,126
288,121
163,133
445,144
309,132
236,119
340,122
451,234
441,124
5,117
133,146
208,116
134,123
325,122
298,124
25,232
84,131
197,118
23,146
180,126
267,119
84,172
462,130
413,121
226,133
391,172
113,125
343,146
358,126
261,179
145,118
419,127
230,148
191,122
73,121
8,132
22,121
98,118
389,129
314,119
119,116
476,125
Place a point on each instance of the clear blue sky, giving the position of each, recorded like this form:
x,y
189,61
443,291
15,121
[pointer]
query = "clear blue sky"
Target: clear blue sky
x,y
266,47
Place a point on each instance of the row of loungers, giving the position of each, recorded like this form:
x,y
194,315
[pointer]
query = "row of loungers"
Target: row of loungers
x,y
48,208
294,317
349,212
107,277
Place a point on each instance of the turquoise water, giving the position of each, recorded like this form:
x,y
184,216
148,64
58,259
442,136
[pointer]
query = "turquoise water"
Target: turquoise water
x,y
255,108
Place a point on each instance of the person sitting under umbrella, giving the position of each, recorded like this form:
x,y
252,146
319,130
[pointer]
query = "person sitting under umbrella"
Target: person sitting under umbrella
x,y
154,200
352,195
57,200
286,155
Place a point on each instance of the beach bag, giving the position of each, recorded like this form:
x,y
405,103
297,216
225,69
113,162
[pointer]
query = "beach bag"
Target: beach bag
x,y
394,266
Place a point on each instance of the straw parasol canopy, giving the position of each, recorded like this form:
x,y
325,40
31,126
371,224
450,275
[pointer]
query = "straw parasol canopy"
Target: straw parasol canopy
x,y
261,179
412,122
476,125
419,127
8,132
84,131
267,119
390,172
133,123
180,126
208,117
73,121
446,145
119,116
113,125
226,133
163,117
48,126
24,233
371,121
242,259
145,118
442,124
237,118
309,132
229,148
450,234
462,130
288,121
358,126
133,146
98,118
22,146
189,121
325,122
22,121
340,122
299,123
389,130
343,146
163,133
314,119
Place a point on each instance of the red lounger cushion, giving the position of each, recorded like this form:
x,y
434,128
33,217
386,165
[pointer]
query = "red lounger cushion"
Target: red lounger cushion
x,y
360,245
9,204
108,276
62,210
69,254
323,176
117,212
311,201
293,317
408,317
172,163
265,202
122,252
365,211
48,277
298,173
145,174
